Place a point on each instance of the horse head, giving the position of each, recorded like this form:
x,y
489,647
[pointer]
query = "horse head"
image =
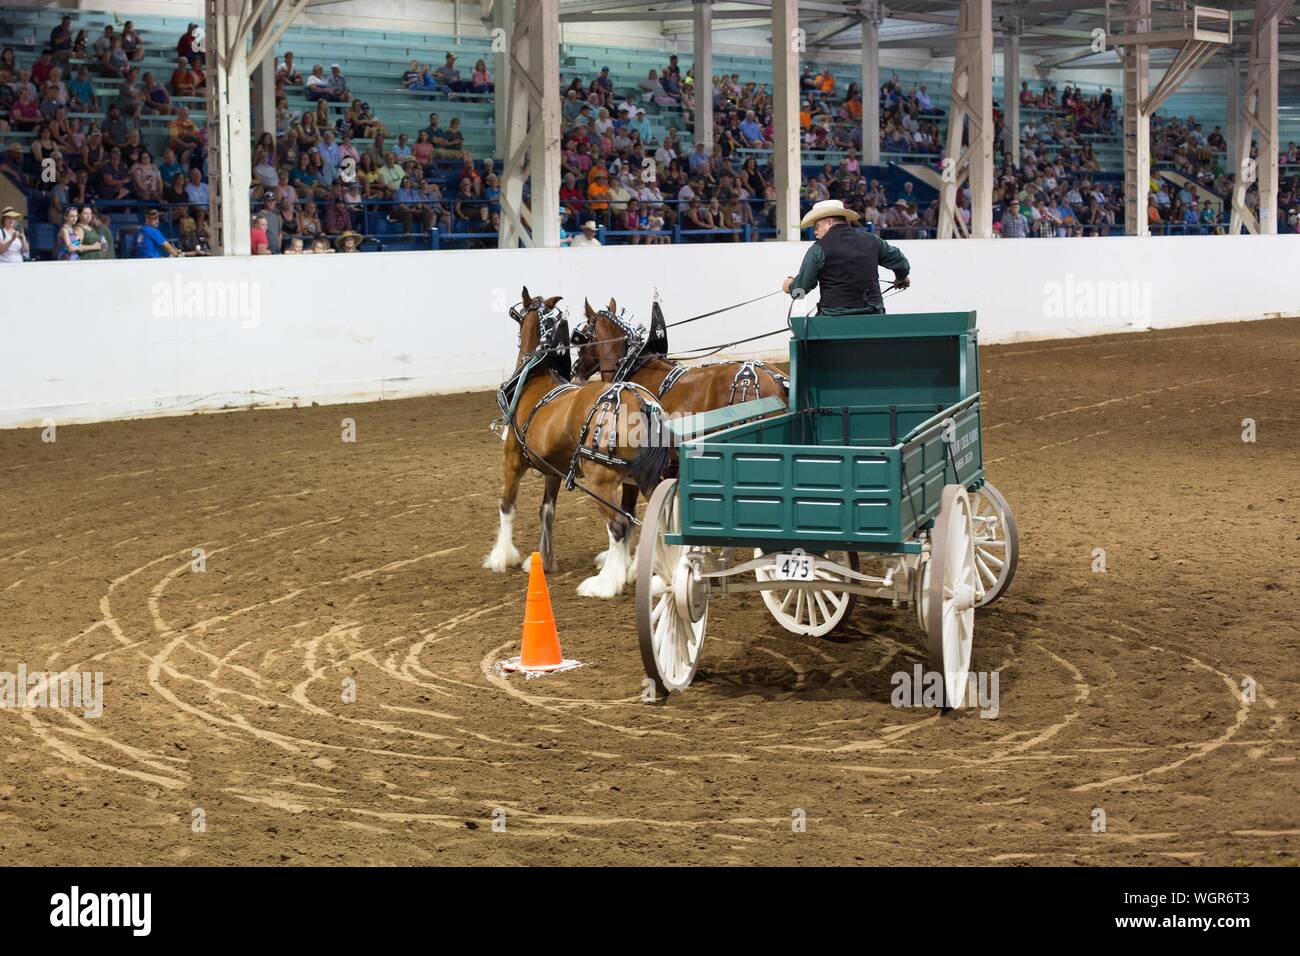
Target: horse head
x,y
604,340
541,324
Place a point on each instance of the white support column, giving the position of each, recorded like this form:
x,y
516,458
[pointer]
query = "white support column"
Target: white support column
x,y
969,157
264,82
1232,127
503,19
532,133
1258,118
1011,92
871,83
787,43
1137,122
229,139
703,66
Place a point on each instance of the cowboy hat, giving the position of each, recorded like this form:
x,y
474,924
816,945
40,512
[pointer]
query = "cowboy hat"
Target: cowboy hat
x,y
9,212
349,234
590,224
826,209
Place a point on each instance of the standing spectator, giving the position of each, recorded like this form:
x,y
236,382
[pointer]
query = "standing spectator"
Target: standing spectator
x,y
185,46
1014,225
95,227
13,241
259,244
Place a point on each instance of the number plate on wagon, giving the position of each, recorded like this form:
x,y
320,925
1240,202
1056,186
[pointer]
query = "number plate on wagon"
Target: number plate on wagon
x,y
794,567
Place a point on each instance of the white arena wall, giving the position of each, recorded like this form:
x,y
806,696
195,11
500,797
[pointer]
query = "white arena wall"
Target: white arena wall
x,y
93,341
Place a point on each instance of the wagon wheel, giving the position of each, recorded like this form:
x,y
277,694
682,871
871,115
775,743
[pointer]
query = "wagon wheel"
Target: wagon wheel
x,y
997,541
947,590
672,610
811,613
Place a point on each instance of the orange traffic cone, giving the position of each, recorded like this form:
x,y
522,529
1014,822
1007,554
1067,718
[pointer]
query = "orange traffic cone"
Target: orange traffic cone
x,y
540,651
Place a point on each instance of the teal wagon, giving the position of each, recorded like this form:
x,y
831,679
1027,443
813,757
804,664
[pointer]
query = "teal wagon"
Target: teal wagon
x,y
870,483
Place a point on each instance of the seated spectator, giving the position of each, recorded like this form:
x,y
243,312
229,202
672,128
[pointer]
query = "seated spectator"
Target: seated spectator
x,y
146,183
411,205
132,45
480,81
185,81
156,98
587,237
81,93
448,76
318,85
115,62
182,135
25,114
286,73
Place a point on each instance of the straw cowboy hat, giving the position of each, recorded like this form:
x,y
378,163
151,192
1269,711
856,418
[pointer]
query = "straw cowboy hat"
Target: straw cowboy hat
x,y
590,224
349,235
9,212
825,210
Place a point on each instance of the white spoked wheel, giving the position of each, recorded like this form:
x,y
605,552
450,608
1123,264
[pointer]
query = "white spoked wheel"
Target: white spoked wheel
x,y
672,609
997,541
811,612
948,590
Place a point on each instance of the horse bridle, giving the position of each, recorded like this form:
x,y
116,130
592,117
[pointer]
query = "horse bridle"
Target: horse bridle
x,y
634,338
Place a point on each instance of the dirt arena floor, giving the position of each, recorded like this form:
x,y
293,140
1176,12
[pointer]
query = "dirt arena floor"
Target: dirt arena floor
x,y
324,561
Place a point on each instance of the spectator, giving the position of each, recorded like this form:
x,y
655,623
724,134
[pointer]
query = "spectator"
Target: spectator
x,y
411,205
196,190
95,228
480,80
186,47
13,240
185,81
587,237
286,73
182,135
132,45
349,242
146,182
259,244
1014,225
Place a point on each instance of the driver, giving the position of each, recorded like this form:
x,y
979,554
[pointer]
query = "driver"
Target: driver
x,y
845,260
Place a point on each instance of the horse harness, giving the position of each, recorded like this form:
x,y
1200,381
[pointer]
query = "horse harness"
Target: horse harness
x,y
552,325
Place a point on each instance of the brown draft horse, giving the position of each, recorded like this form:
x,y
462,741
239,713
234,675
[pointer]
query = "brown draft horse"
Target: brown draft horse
x,y
603,346
601,436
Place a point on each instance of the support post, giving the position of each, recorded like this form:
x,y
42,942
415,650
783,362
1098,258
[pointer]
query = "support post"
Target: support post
x,y
703,66
503,19
1137,121
1258,117
787,43
263,101
871,83
532,144
1011,91
969,158
229,141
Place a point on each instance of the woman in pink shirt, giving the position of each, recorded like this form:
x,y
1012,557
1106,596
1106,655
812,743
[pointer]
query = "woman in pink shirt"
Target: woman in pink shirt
x,y
480,81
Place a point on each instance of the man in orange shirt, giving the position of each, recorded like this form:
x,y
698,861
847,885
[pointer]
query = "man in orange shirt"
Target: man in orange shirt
x,y
598,191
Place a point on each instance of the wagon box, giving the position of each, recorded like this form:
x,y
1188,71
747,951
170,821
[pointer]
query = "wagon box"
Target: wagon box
x,y
885,411
871,483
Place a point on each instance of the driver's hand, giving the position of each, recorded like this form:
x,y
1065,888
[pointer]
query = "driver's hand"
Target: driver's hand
x,y
785,286
902,282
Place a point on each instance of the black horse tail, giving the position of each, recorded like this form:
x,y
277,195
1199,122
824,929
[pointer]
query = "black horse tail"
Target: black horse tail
x,y
651,462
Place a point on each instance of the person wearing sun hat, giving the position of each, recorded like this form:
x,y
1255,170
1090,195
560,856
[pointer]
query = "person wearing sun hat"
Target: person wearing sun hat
x,y
13,241
349,241
845,262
